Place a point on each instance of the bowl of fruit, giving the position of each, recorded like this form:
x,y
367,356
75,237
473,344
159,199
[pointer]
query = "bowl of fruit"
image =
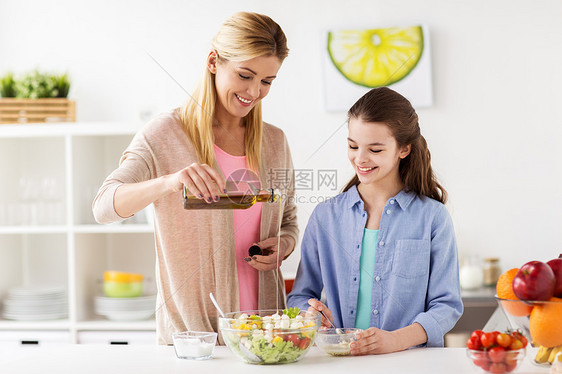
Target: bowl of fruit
x,y
496,352
269,336
531,299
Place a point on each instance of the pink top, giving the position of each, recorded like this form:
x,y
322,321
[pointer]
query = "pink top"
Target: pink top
x,y
246,231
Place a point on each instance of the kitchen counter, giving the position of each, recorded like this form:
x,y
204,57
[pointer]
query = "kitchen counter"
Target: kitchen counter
x,y
161,359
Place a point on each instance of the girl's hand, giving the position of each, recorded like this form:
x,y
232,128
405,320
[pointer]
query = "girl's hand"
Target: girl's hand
x,y
201,180
375,341
317,306
268,261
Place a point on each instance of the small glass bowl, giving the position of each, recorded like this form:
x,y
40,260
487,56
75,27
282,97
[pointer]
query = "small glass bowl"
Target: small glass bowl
x,y
507,364
194,345
336,342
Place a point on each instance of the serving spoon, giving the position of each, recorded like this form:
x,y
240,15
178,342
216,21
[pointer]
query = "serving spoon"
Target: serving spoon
x,y
245,351
338,330
221,313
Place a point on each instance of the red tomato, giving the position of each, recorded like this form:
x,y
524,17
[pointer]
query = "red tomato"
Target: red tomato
x,y
473,343
518,335
488,339
511,357
497,368
496,354
481,359
293,338
510,366
477,334
305,342
515,344
504,340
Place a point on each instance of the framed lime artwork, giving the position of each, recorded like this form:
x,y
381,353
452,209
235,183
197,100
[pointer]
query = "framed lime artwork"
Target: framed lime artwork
x,y
357,60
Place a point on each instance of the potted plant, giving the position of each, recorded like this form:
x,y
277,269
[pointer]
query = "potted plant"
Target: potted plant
x,y
36,97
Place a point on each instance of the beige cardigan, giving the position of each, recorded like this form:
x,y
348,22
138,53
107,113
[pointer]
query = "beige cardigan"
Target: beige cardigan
x,y
195,252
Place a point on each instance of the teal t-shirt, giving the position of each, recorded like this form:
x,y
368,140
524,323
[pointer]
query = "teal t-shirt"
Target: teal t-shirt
x,y
367,265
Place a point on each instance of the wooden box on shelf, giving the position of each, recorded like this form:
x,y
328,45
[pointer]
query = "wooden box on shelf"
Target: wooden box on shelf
x,y
37,110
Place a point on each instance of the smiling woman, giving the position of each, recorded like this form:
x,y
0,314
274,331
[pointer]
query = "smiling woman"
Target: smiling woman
x,y
217,134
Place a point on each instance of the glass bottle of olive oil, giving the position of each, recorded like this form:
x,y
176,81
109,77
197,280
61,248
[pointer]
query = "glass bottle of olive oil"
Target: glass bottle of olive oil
x,y
234,200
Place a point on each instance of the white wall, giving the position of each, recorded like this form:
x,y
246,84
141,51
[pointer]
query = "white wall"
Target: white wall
x,y
494,128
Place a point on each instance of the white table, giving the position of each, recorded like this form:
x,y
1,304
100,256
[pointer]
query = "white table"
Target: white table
x,y
103,359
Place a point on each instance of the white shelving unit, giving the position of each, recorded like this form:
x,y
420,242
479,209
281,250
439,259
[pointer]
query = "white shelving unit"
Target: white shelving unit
x,y
50,174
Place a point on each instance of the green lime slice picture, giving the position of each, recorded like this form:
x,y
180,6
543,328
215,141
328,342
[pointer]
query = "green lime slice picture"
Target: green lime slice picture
x,y
376,57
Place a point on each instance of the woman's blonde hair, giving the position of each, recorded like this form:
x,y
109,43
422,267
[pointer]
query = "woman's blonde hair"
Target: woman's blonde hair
x,y
242,37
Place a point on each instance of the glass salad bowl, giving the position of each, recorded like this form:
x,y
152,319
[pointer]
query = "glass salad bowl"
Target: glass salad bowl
x,y
269,336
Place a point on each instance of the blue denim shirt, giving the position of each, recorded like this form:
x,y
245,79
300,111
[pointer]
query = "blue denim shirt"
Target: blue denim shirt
x,y
416,275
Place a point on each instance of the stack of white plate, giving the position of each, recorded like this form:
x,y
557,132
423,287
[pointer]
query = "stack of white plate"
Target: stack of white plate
x,y
35,303
125,308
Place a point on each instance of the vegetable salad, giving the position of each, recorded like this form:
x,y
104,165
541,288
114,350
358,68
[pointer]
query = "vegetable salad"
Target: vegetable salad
x,y
275,338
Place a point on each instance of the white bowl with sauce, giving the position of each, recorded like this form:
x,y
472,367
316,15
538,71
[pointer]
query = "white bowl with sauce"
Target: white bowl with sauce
x,y
336,342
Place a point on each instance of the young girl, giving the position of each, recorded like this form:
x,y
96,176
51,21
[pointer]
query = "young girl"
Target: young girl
x,y
383,251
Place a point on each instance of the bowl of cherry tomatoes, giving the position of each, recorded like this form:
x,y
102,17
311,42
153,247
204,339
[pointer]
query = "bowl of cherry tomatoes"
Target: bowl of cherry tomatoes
x,y
496,352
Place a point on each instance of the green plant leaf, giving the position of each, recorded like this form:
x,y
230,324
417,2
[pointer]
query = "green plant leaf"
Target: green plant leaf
x,y
8,86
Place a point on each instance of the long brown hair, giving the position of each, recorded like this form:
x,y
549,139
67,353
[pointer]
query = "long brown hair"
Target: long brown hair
x,y
242,37
384,105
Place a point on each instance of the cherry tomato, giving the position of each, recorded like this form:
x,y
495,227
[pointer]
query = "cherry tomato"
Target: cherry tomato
x,y
515,344
497,368
481,359
293,338
488,339
504,340
305,342
477,334
509,367
496,354
473,343
518,335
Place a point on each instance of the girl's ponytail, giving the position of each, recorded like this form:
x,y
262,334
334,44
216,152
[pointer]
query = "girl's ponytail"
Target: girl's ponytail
x,y
416,172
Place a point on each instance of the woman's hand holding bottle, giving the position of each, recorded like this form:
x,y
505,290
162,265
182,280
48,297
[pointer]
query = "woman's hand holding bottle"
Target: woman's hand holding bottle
x,y
201,181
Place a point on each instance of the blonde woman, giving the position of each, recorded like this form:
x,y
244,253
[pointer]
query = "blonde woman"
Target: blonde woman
x,y
216,134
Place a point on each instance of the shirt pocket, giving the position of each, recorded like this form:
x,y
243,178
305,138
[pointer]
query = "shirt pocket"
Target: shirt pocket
x,y
411,258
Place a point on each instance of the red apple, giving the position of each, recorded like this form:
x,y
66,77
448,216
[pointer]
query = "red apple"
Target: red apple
x,y
556,266
534,281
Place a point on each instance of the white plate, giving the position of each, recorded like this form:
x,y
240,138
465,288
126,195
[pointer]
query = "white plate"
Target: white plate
x,y
33,303
151,298
133,304
35,311
128,316
36,291
34,317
